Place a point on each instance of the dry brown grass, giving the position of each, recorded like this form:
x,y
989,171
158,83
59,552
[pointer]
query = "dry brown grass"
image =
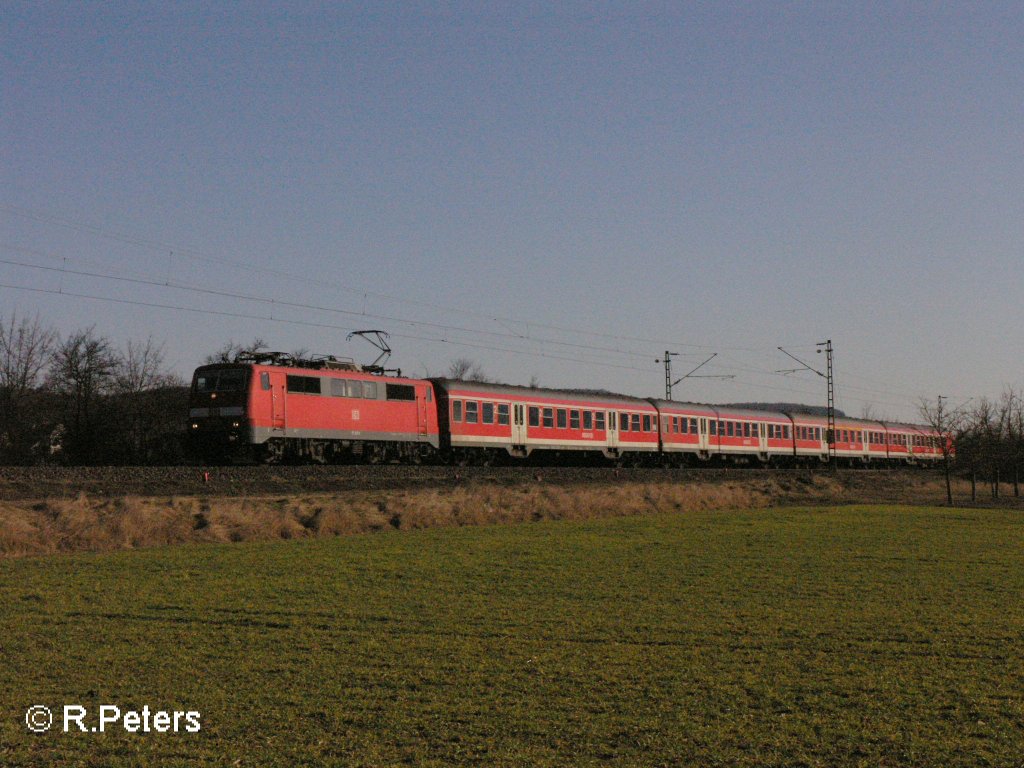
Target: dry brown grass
x,y
90,523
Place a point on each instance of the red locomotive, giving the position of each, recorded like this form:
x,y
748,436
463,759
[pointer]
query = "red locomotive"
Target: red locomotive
x,y
325,410
276,408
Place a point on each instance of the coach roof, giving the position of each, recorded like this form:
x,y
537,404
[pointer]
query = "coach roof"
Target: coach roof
x,y
510,390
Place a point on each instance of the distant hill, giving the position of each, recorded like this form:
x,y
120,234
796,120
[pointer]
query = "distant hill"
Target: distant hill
x,y
814,410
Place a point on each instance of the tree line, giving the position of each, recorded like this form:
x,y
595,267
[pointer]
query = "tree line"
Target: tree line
x,y
82,400
987,440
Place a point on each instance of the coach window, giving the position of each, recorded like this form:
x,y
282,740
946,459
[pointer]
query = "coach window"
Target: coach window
x,y
684,424
634,422
561,418
588,419
487,417
369,390
647,422
534,414
623,422
549,417
472,406
728,429
456,410
599,420
503,413
713,428
574,419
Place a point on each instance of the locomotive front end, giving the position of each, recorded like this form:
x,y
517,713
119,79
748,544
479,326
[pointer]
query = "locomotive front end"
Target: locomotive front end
x,y
220,426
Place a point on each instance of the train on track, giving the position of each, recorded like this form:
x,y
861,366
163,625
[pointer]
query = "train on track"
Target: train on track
x,y
273,408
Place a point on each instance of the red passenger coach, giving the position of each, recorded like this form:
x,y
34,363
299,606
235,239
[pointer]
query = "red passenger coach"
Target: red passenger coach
x,y
741,433
521,420
912,444
316,410
684,430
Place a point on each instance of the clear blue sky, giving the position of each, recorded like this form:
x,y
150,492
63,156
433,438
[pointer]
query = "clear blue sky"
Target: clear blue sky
x,y
559,191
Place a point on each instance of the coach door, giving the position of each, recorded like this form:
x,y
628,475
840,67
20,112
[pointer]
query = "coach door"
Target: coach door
x,y
425,394
518,424
702,439
277,401
613,430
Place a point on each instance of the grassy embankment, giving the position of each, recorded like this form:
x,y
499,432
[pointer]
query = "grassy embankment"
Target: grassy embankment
x,y
103,522
832,636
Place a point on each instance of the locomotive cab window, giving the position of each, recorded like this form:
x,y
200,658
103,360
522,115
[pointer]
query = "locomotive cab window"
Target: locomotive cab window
x,y
400,392
265,380
228,380
306,385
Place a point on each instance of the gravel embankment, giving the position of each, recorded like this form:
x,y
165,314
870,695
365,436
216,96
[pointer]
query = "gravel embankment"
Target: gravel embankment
x,y
44,482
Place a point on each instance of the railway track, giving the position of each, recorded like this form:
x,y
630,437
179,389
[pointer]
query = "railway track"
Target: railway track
x,y
40,482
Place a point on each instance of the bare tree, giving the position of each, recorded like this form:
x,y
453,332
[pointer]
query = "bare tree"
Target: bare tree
x,y
141,367
25,346
82,371
947,422
1011,413
464,369
988,424
139,374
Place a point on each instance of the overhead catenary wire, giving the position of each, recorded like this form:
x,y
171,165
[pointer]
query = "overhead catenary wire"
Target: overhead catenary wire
x,y
445,329
249,268
302,305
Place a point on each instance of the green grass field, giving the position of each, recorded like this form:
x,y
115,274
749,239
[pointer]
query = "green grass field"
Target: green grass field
x,y
850,636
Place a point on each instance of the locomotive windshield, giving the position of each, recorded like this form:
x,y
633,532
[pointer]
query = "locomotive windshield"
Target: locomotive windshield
x,y
226,380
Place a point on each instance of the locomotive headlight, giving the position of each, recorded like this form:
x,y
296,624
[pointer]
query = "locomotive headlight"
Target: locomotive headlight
x,y
195,426
234,423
